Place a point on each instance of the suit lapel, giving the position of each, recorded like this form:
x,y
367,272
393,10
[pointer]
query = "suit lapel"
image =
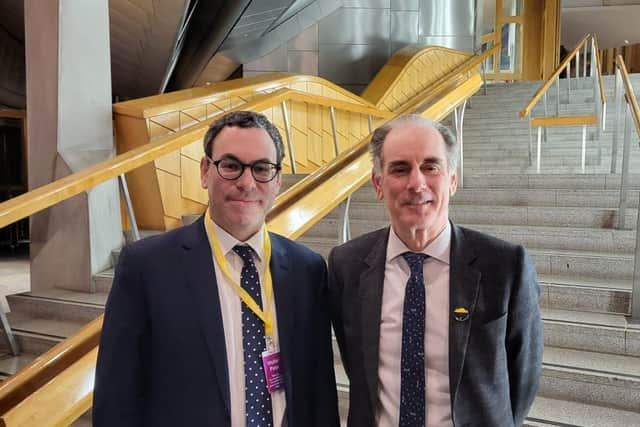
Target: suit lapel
x,y
201,279
464,281
370,290
283,292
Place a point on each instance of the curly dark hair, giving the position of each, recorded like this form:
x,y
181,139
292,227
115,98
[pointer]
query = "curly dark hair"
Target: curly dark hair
x,y
243,119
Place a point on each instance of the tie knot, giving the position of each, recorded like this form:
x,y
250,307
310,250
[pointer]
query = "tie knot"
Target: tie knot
x,y
414,259
245,252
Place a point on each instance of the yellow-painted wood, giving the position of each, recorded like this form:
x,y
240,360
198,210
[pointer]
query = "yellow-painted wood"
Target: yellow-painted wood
x,y
35,374
564,121
59,402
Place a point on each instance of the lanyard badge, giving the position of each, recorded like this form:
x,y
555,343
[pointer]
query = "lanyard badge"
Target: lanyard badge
x,y
271,360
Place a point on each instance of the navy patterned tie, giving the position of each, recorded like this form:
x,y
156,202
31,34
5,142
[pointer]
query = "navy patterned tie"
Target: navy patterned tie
x,y
412,405
257,399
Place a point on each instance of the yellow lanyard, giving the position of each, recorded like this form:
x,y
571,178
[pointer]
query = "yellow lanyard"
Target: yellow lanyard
x,y
265,315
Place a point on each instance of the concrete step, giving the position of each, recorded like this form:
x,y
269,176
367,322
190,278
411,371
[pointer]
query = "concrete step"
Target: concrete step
x,y
591,378
58,304
570,216
544,238
591,295
540,197
556,181
547,412
597,332
583,264
37,335
104,279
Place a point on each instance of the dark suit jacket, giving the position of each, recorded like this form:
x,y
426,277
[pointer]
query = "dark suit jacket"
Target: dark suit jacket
x,y
494,356
162,358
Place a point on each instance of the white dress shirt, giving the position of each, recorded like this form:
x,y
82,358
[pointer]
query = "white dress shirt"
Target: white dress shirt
x,y
230,306
436,339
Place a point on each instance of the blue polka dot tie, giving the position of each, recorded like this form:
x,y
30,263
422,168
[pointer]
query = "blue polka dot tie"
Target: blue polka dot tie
x,y
257,399
412,405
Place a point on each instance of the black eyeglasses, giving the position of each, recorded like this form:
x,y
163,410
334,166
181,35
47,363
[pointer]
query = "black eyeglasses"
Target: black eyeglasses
x,y
261,170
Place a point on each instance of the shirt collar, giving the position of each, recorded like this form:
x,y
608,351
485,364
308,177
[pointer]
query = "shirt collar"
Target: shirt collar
x,y
227,241
439,248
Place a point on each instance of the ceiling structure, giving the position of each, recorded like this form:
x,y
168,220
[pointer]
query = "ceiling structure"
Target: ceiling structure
x,y
159,45
615,22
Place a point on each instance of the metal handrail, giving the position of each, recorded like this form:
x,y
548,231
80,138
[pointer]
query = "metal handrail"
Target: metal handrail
x,y
587,43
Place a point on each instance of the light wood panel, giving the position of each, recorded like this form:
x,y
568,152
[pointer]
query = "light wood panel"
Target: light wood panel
x,y
564,121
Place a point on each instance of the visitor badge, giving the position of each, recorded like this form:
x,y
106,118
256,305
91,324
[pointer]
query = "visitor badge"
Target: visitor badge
x,y
272,372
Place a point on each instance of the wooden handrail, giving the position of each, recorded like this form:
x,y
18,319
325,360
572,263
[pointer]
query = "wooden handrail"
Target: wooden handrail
x,y
159,105
589,119
48,195
629,92
18,386
420,100
451,92
542,89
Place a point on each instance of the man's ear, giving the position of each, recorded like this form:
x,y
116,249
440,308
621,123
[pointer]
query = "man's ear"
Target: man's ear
x,y
453,185
377,184
204,168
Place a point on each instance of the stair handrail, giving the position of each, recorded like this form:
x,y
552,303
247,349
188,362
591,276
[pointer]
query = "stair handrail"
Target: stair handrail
x,y
448,102
158,105
62,189
58,357
598,118
546,85
625,96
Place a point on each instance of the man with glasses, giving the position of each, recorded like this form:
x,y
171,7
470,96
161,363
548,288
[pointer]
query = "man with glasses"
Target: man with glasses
x,y
220,323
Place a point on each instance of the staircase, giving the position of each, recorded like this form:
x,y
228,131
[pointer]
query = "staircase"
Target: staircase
x,y
566,220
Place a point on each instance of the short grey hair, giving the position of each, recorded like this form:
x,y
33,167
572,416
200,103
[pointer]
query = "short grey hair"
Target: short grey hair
x,y
243,119
380,134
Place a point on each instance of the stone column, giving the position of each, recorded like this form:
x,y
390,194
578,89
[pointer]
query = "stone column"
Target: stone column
x,y
70,128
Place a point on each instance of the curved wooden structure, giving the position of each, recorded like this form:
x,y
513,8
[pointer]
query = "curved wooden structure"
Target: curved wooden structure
x,y
57,387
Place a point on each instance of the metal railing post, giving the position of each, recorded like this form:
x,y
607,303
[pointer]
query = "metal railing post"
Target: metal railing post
x,y
624,179
569,82
459,122
558,96
334,130
635,290
578,69
584,62
484,77
129,207
617,93
370,121
530,141
10,339
345,229
539,149
287,129
583,154
546,114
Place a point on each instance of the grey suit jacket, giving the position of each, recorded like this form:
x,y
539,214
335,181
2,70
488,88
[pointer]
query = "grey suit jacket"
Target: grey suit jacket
x,y
495,355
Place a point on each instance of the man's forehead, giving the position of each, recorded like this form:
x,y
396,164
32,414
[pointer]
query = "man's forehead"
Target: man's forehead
x,y
406,138
237,140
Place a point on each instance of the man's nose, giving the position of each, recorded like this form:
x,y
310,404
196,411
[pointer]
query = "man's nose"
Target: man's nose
x,y
417,180
246,181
